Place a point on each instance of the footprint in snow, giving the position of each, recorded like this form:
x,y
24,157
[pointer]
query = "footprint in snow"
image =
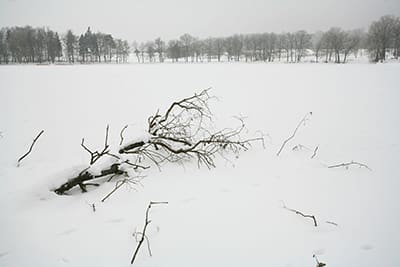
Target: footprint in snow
x,y
366,247
64,260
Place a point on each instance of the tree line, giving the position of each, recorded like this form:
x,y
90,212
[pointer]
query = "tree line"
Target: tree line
x,y
42,45
29,45
335,45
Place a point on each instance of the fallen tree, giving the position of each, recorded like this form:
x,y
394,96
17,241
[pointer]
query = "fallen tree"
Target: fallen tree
x,y
184,132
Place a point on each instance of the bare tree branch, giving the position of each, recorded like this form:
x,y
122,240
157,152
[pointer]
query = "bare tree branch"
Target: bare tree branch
x,y
315,152
182,133
346,165
302,214
333,223
303,121
121,134
319,264
143,233
30,148
94,156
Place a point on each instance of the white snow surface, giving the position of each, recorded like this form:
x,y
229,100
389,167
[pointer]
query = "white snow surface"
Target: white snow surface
x,y
232,215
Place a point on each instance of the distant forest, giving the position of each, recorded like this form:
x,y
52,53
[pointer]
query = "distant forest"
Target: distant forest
x,y
42,46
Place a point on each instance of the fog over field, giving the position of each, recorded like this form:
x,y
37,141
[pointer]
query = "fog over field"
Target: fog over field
x,y
213,133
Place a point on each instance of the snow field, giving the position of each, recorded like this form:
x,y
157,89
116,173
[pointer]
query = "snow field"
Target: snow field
x,y
228,216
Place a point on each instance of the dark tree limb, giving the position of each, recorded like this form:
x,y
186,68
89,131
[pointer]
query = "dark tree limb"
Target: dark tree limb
x,y
302,214
346,165
30,148
303,121
81,179
143,233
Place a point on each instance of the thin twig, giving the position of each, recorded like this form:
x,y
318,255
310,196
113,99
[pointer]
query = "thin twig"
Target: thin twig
x,y
305,118
333,223
117,186
315,152
30,149
319,264
302,214
94,156
121,134
346,165
143,233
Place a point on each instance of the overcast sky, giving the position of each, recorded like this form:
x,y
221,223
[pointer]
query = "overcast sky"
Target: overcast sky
x,y
147,19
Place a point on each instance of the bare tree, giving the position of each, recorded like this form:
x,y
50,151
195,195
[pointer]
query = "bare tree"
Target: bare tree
x,y
187,42
160,48
351,42
380,37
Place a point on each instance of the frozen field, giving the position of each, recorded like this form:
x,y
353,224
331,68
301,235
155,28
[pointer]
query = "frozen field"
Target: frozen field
x,y
232,215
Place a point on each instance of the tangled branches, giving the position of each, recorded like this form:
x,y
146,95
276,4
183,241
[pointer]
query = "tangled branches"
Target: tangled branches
x,y
183,133
180,134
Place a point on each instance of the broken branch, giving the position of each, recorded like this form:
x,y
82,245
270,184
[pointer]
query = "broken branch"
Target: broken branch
x,y
30,148
346,165
302,214
143,233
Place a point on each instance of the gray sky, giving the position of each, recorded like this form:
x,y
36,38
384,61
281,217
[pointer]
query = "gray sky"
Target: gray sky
x,y
147,19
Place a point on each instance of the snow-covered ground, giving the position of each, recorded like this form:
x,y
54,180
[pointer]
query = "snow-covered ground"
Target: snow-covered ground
x,y
229,216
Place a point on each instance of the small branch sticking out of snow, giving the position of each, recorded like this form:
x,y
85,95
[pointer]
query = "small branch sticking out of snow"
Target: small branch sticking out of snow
x,y
30,149
302,214
94,156
346,165
315,152
303,121
121,134
319,264
333,223
143,233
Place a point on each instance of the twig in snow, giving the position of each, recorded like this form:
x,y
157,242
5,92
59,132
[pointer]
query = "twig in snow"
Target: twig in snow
x,y
301,147
118,184
30,149
319,264
143,233
303,121
302,214
315,152
121,134
346,165
333,223
94,156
